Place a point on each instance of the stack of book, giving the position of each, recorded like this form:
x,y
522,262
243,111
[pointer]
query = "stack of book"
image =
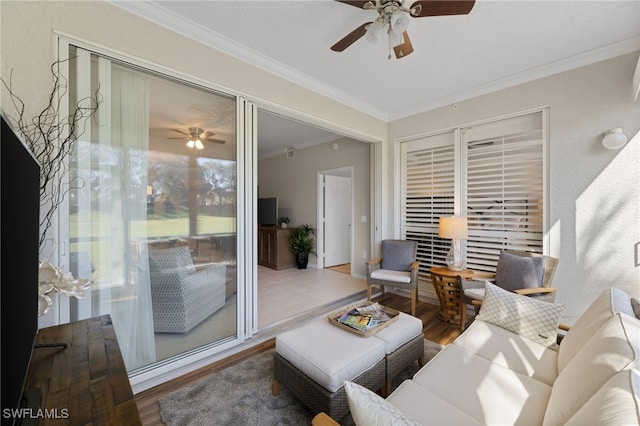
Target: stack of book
x,y
364,318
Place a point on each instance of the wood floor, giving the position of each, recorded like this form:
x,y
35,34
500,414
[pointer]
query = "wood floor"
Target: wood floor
x,y
433,329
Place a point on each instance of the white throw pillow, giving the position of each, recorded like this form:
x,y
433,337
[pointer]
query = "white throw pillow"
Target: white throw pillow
x,y
369,409
534,319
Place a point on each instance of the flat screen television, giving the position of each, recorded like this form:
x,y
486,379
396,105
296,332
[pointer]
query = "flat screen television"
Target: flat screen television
x,y
268,211
20,204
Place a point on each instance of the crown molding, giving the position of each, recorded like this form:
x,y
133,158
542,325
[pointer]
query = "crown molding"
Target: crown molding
x,y
566,64
153,11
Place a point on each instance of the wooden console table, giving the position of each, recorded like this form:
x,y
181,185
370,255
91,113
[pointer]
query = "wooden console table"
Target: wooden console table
x,y
445,282
87,379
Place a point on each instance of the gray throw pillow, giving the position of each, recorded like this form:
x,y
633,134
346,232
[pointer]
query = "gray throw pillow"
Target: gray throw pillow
x,y
515,272
398,255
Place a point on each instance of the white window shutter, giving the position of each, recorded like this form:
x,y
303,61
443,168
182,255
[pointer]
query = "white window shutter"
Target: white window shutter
x,y
504,188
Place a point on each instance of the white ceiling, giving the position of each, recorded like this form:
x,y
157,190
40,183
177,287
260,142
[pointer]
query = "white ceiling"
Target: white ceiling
x,y
499,44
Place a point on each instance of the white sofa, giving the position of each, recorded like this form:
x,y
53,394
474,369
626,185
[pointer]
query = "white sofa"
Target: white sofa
x,y
491,375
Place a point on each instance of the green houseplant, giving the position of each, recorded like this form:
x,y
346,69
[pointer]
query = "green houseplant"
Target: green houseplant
x,y
302,243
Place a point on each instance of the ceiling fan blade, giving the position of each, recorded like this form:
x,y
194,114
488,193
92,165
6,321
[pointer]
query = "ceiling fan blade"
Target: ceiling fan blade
x,y
404,49
366,4
181,132
207,134
351,38
220,141
422,8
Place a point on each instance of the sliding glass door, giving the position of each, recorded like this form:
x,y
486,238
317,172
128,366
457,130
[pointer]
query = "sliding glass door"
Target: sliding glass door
x,y
153,210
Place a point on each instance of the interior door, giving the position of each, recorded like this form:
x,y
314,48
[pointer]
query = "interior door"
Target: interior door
x,y
337,225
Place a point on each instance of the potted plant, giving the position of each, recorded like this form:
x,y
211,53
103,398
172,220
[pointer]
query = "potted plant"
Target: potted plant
x,y
302,243
283,221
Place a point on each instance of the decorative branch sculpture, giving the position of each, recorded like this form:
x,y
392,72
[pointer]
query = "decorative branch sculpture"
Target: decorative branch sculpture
x,y
51,139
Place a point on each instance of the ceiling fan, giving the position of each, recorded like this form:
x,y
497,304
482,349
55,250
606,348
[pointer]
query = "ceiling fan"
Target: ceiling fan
x,y
197,136
393,19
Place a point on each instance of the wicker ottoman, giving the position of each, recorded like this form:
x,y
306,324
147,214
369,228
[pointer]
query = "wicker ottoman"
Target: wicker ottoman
x,y
404,345
313,361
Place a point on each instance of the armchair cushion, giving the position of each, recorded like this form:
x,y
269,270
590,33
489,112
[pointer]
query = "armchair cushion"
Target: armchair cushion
x,y
390,275
530,318
515,272
398,255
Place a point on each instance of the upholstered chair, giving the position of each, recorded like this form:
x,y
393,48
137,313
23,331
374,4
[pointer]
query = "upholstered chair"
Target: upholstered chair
x,y
525,273
183,295
396,268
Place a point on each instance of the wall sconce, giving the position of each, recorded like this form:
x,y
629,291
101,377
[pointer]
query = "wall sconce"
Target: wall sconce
x,y
456,229
614,139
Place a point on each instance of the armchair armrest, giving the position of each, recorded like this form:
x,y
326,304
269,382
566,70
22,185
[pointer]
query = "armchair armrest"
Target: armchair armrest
x,y
322,419
415,265
374,261
535,290
564,327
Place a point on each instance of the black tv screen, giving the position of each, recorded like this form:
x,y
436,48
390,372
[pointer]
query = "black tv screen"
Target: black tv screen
x,y
268,211
20,205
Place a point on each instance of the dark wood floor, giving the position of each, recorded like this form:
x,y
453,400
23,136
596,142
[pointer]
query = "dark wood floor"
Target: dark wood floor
x,y
434,330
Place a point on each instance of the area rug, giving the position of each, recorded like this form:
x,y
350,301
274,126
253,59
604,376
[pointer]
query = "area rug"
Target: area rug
x,y
241,395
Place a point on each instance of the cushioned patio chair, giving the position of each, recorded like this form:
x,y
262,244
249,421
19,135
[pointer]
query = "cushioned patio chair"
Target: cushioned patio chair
x,y
525,273
182,296
396,268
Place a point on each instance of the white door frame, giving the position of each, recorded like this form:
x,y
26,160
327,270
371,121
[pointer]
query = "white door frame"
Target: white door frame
x,y
341,171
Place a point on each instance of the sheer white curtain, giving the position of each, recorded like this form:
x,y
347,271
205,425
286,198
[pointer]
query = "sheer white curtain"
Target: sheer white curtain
x,y
131,302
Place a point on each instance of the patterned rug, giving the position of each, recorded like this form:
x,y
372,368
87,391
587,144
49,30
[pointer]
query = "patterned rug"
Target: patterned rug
x,y
241,395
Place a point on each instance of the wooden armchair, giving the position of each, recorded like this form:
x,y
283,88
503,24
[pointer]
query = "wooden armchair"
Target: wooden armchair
x,y
397,267
517,271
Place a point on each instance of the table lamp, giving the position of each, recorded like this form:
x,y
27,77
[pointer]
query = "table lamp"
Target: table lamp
x,y
455,228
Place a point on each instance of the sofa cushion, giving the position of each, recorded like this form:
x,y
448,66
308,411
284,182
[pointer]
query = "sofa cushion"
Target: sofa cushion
x,y
367,408
616,403
486,391
510,350
613,348
328,354
606,305
426,407
516,272
530,318
398,255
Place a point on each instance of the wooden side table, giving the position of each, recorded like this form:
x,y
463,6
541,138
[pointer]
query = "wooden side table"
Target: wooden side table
x,y
445,282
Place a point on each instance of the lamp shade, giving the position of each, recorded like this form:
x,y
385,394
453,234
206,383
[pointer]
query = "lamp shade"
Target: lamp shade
x,y
614,139
453,227
399,21
375,32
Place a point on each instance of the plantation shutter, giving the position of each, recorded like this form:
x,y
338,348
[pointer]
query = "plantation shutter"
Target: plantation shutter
x,y
428,185
503,188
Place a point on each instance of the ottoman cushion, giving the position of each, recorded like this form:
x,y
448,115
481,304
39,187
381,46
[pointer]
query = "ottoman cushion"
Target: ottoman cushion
x,y
399,332
328,354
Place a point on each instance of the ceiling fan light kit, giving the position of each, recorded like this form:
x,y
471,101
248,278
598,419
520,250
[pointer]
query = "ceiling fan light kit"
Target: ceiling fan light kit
x,y
197,136
393,19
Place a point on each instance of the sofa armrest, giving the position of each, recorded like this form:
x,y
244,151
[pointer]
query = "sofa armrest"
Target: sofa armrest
x,y
322,419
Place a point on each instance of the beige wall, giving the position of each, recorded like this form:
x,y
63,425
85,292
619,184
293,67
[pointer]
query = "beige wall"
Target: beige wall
x,y
294,182
594,193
